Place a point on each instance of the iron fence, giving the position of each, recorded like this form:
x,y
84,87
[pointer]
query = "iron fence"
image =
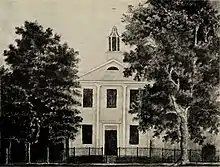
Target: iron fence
x,y
124,154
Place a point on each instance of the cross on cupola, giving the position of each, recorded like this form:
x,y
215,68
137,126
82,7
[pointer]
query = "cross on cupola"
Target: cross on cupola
x,y
114,40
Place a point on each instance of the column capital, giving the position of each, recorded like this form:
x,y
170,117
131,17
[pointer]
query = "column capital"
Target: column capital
x,y
97,85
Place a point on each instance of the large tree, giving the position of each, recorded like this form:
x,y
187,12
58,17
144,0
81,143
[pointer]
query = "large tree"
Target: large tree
x,y
46,70
18,121
176,45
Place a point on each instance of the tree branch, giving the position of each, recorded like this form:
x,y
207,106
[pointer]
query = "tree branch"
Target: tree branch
x,y
196,35
181,112
173,101
177,85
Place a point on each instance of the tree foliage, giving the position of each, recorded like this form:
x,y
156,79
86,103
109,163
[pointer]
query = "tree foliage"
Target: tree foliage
x,y
18,119
47,70
177,46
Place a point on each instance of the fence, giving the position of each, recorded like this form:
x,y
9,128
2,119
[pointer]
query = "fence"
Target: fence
x,y
91,154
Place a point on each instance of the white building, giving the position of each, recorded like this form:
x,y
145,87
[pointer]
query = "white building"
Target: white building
x,y
107,96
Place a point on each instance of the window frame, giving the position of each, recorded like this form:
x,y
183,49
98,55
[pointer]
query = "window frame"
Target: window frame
x,y
112,68
108,104
135,141
130,101
92,98
118,42
87,139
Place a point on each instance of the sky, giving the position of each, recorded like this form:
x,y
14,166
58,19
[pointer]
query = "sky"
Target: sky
x,y
83,24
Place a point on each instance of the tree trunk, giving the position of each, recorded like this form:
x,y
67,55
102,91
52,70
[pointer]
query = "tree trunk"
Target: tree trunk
x,y
48,155
67,148
184,159
28,152
9,152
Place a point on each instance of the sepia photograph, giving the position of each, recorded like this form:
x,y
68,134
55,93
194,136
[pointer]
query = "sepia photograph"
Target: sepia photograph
x,y
87,83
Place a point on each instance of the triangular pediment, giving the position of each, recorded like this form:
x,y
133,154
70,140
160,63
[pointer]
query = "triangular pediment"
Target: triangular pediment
x,y
110,70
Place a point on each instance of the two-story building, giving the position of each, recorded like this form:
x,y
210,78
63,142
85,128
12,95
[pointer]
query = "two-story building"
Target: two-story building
x,y
106,99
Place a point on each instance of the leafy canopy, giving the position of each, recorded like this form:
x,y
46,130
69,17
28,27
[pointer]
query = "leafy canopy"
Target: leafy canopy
x,y
176,45
18,120
47,70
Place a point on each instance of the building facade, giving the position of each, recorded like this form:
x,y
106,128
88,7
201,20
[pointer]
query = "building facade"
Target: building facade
x,y
106,99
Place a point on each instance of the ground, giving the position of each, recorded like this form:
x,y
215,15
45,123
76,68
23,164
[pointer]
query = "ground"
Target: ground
x,y
109,165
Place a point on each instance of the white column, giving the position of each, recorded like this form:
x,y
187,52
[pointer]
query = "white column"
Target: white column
x,y
97,115
124,115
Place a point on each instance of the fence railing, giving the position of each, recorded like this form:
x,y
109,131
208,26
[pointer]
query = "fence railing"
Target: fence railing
x,y
124,154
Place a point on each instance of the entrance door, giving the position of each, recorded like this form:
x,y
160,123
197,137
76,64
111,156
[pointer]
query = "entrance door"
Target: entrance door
x,y
111,142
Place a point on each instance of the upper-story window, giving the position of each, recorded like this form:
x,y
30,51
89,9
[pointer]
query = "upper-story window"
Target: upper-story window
x,y
87,98
133,96
114,40
111,98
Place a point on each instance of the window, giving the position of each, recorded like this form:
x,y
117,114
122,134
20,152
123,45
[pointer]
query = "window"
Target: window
x,y
134,134
109,43
118,45
87,98
114,40
133,96
111,98
113,68
87,134
114,43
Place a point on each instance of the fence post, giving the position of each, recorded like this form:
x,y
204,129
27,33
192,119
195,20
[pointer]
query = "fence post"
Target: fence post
x,y
137,151
174,154
162,155
89,151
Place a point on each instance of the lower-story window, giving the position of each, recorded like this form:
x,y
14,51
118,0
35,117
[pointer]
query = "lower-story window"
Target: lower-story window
x,y
134,135
87,134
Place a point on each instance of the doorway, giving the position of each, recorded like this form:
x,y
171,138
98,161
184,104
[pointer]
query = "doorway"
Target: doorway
x,y
110,142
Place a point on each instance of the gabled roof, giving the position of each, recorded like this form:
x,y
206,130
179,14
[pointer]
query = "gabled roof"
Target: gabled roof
x,y
102,65
110,71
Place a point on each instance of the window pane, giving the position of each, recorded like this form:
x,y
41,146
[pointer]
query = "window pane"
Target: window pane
x,y
113,43
87,97
87,134
109,43
134,134
111,98
118,49
133,96
113,68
